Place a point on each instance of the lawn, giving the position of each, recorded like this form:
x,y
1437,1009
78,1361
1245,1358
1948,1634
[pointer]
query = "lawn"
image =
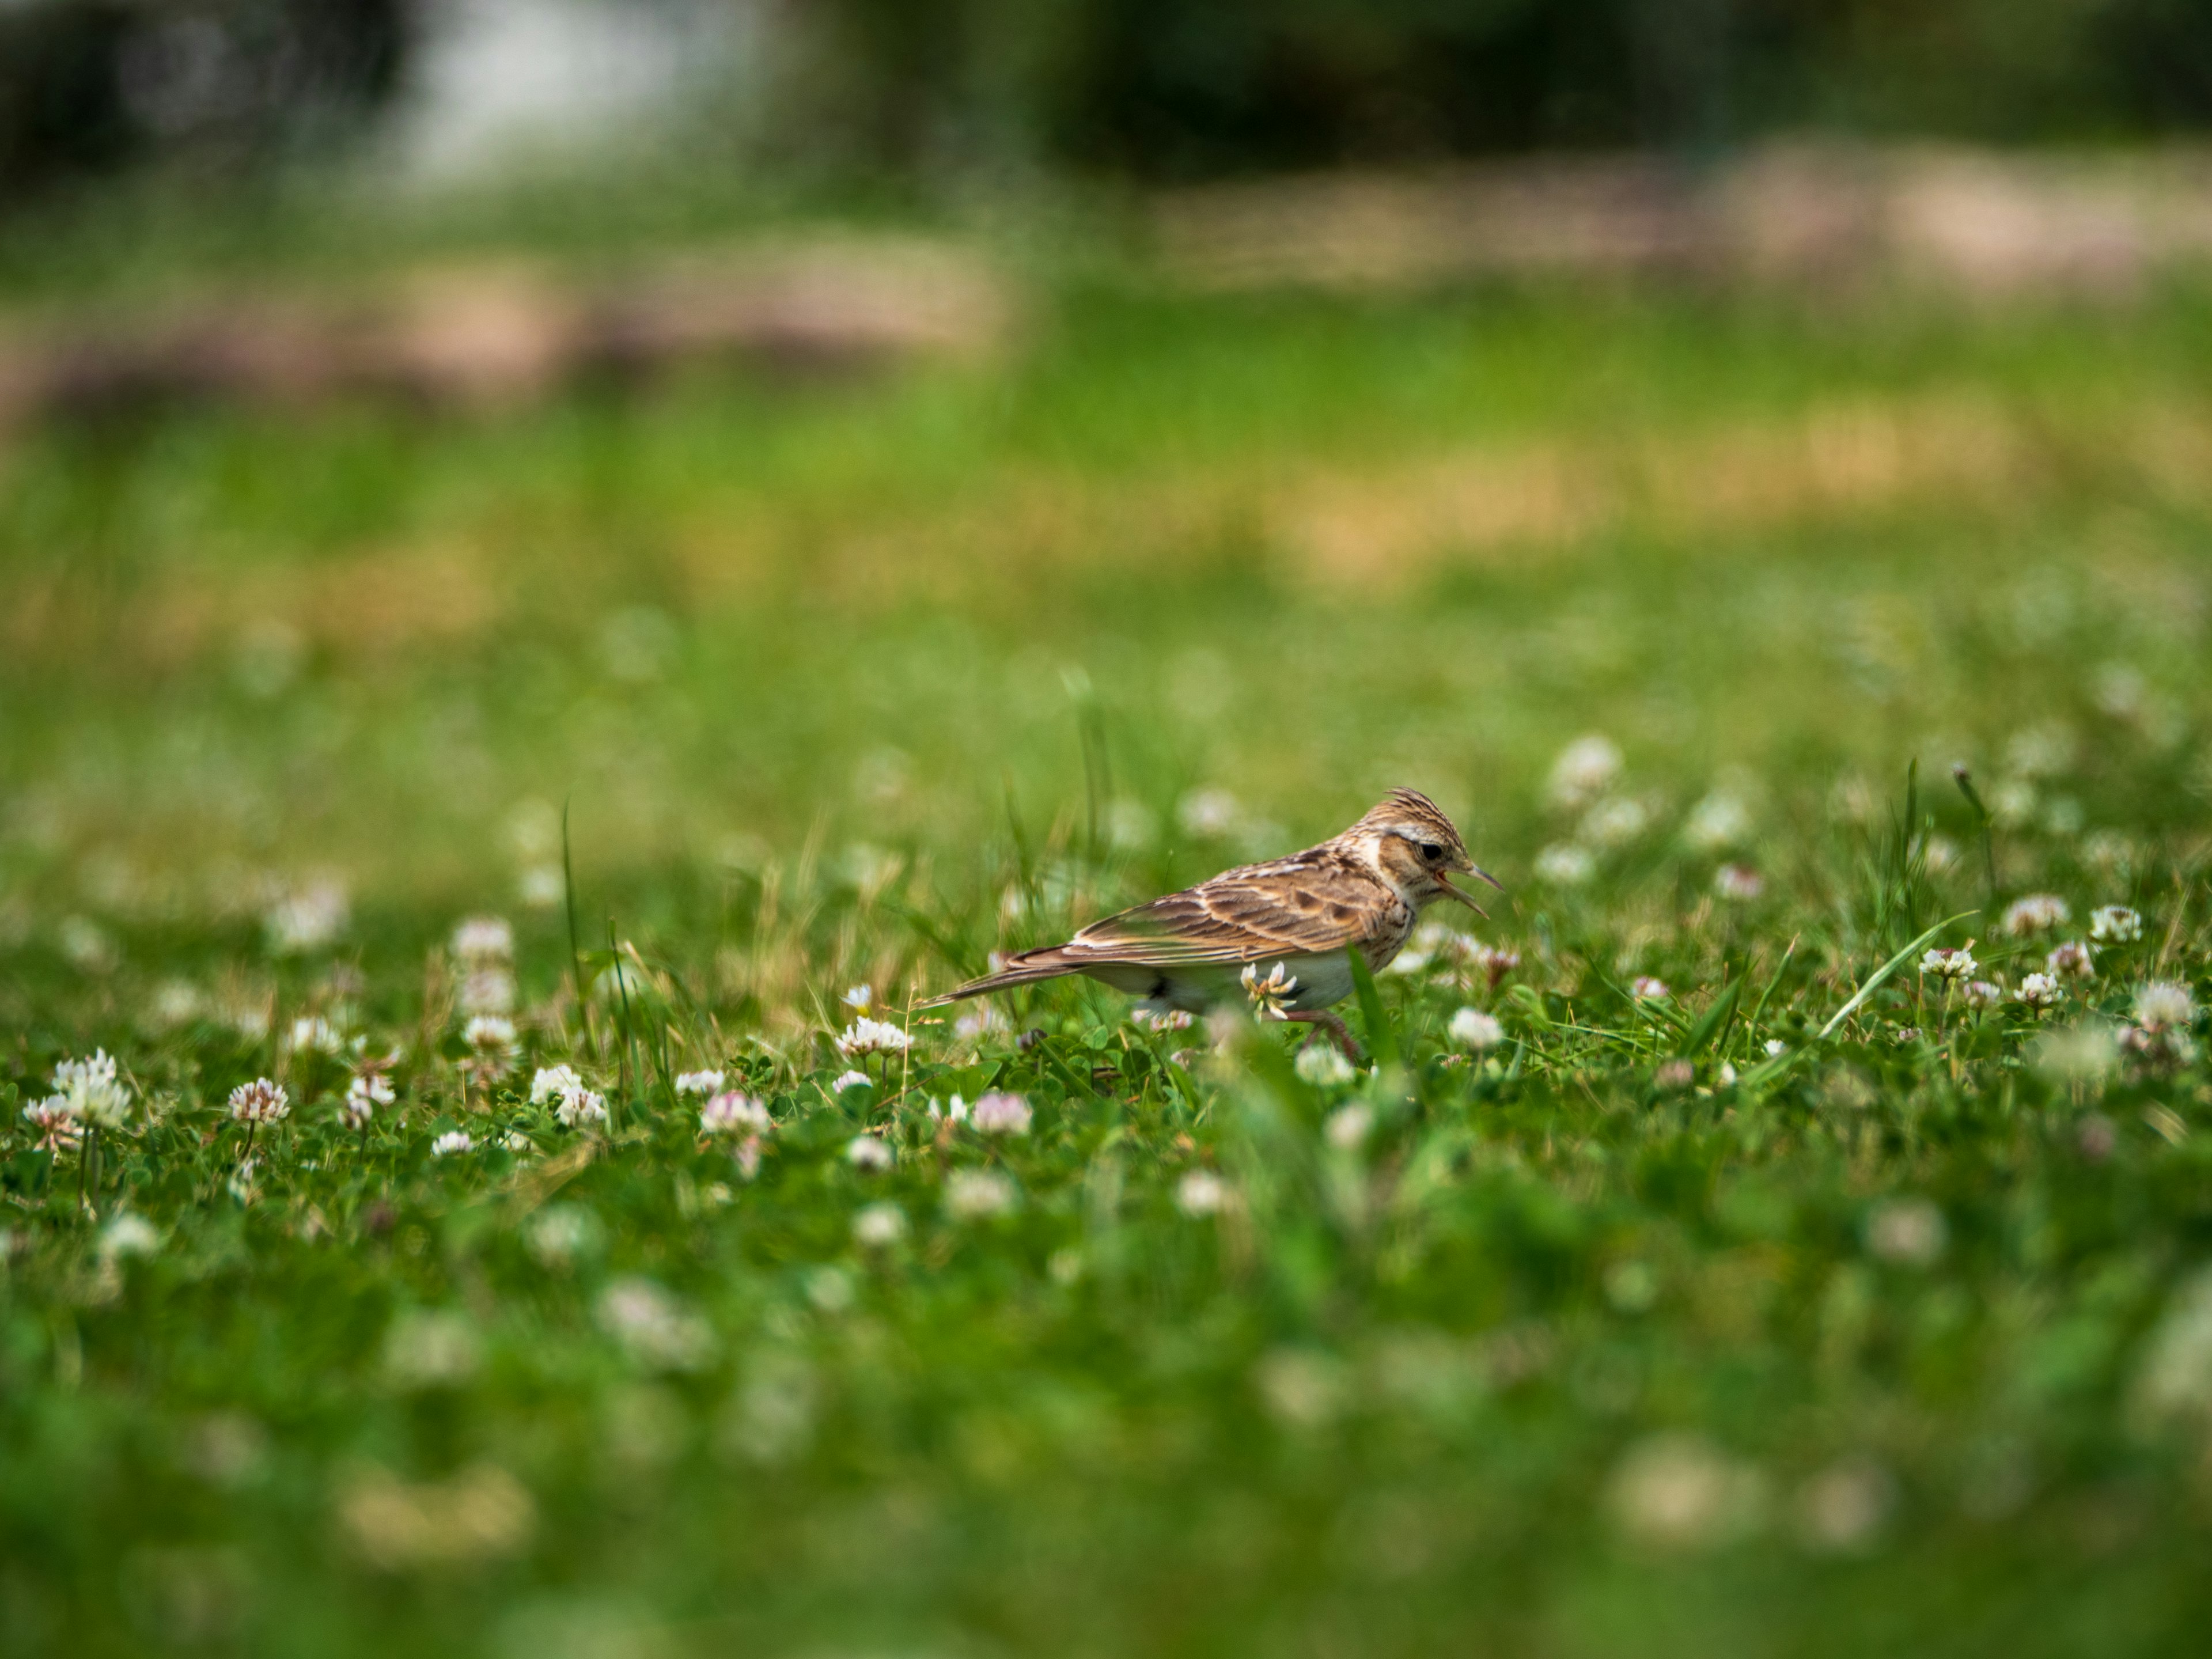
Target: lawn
x,y
1728,1280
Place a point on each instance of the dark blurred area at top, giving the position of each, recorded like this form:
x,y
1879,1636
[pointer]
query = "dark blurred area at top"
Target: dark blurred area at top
x,y
1144,90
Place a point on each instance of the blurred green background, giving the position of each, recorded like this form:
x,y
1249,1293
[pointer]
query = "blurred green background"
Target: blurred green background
x,y
899,479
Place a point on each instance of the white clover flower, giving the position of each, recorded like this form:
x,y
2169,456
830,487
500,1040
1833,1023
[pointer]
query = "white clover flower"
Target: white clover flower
x,y
362,1097
1844,1509
2037,913
845,1080
1209,814
1200,1193
558,1235
859,997
1719,820
312,1033
489,1037
1646,987
260,1101
653,1327
551,1082
1161,1019
58,1129
515,1141
955,1110
453,1141
1585,769
872,1037
869,1155
974,1195
1951,965
129,1235
983,1019
1494,961
878,1226
176,1002
1739,884
308,919
2163,1005
1001,1115
699,1083
1408,963
1982,993
734,1114
1680,1493
747,1157
488,990
1562,864
1270,997
94,1097
1941,853
1776,1048
483,939
2040,992
1348,1126
2072,960
1613,822
579,1106
1471,1027
2115,924
1322,1066
1909,1231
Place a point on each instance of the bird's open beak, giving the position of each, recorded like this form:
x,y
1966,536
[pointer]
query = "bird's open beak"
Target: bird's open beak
x,y
1451,891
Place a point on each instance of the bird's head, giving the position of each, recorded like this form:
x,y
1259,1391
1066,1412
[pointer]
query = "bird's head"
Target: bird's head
x,y
1417,849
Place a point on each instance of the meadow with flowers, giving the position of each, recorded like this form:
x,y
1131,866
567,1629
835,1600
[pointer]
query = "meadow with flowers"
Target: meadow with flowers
x,y
475,1179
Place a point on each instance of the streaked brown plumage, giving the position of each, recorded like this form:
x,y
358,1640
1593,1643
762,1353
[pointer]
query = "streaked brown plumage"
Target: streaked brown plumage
x,y
1364,887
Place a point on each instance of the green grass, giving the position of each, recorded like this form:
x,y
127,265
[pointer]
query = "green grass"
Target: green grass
x,y
855,683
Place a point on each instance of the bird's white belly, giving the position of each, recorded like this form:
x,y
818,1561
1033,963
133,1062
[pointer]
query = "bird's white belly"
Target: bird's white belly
x,y
1322,981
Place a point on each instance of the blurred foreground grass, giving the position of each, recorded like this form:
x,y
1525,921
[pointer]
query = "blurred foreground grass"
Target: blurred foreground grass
x,y
1888,1337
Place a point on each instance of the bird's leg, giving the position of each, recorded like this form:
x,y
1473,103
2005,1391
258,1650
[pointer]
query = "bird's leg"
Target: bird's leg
x,y
1336,1028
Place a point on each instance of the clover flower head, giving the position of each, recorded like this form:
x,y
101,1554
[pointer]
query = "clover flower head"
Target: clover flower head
x,y
2037,913
859,997
489,1037
845,1080
57,1127
999,1114
1949,963
984,1019
975,1195
1982,993
551,1082
2073,960
1739,884
362,1097
872,1037
1200,1193
2163,1005
731,1113
869,1155
1323,1066
2115,924
260,1102
96,1098
483,940
1471,1027
1585,769
2040,992
453,1143
1645,988
1564,864
311,1034
699,1083
579,1106
1270,996
878,1226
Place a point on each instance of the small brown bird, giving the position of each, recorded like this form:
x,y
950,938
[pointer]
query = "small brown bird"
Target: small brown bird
x,y
1275,932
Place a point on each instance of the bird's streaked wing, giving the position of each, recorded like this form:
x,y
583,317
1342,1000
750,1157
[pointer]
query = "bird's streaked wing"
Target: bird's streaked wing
x,y
1313,903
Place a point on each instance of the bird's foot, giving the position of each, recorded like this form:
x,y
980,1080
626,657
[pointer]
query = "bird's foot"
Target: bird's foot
x,y
1338,1032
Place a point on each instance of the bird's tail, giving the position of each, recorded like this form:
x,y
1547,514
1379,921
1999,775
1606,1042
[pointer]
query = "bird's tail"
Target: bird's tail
x,y
1027,968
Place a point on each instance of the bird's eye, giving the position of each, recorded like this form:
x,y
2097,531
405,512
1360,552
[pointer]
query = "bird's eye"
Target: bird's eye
x,y
1432,852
